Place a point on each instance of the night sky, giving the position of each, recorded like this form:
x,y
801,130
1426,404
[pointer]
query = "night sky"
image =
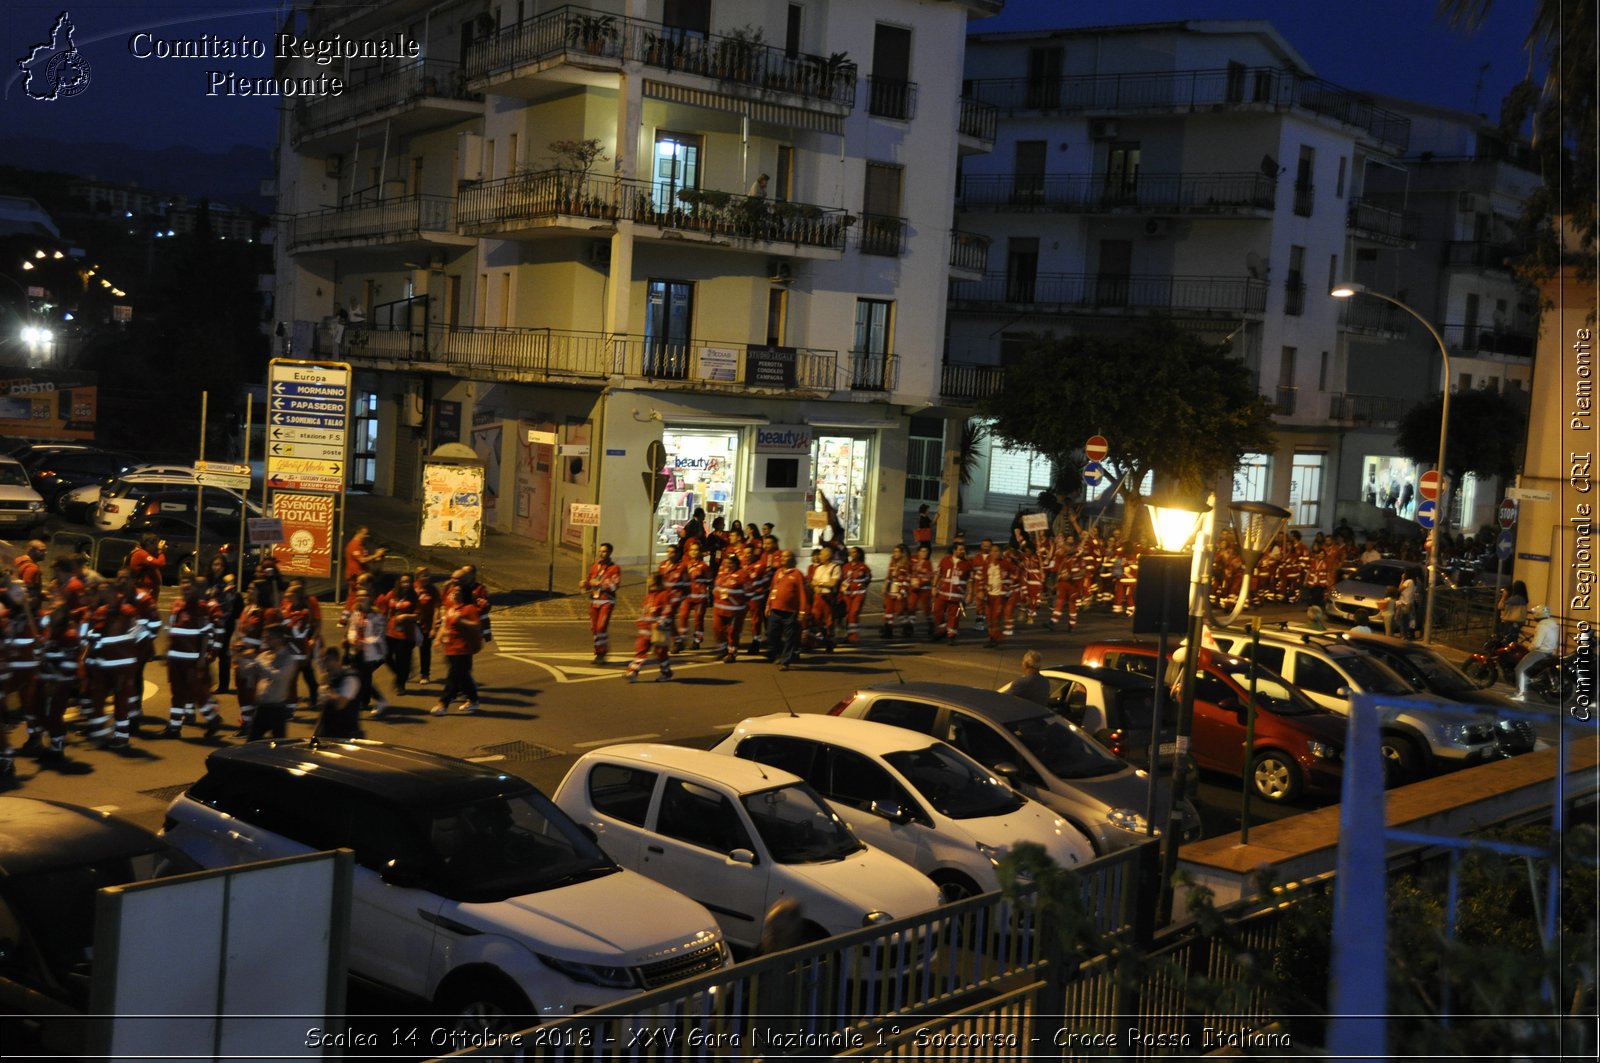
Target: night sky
x,y
1396,47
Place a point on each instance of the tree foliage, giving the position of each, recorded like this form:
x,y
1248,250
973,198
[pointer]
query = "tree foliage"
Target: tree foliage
x,y
1486,434
1167,402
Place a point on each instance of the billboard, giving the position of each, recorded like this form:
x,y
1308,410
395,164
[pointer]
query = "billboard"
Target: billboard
x,y
47,404
307,546
452,505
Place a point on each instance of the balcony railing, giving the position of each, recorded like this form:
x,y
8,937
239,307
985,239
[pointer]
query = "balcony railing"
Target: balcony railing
x,y
1305,197
1486,339
891,98
494,206
1364,314
1196,90
1288,399
882,234
594,37
374,223
1381,223
379,89
1480,254
1173,193
969,251
1047,292
558,354
871,371
1380,410
966,380
977,119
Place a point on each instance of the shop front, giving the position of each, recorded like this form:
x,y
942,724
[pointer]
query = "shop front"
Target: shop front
x,y
841,461
702,470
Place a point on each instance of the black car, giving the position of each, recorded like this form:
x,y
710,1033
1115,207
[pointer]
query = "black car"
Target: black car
x,y
171,515
53,858
1428,670
55,470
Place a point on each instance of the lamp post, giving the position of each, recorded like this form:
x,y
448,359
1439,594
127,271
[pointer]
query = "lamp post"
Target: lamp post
x,y
1345,291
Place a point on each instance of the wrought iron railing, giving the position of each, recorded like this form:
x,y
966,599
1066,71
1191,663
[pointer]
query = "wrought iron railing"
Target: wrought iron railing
x,y
1288,400
1480,254
1489,339
369,93
1092,291
977,119
969,251
587,37
966,380
376,222
1197,90
1381,410
731,214
891,98
1172,193
871,371
1364,314
497,205
1382,223
881,234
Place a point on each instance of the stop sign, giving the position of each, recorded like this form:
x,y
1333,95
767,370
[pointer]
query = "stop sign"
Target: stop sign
x,y
1508,512
1428,486
1096,448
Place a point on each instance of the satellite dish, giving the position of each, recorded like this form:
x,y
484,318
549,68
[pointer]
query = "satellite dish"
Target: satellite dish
x,y
1255,266
1270,167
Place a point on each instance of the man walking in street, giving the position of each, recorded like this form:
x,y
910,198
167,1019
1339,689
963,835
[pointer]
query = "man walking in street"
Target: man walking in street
x,y
602,581
655,629
787,604
950,592
359,558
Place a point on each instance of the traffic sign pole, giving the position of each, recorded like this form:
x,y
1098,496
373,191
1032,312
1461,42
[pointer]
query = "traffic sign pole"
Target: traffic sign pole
x,y
308,407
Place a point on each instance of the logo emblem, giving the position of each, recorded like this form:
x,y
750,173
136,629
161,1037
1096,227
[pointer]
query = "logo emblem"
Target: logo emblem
x,y
55,70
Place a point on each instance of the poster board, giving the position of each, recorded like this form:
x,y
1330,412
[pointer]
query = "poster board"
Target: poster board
x,y
452,505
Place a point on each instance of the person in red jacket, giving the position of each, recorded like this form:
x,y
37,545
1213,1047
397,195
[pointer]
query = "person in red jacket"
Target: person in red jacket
x,y
655,629
697,575
1003,578
192,632
249,636
400,632
857,577
728,594
19,670
604,577
978,580
28,568
460,637
147,561
675,581
788,603
895,585
950,591
61,643
919,593
428,596
359,558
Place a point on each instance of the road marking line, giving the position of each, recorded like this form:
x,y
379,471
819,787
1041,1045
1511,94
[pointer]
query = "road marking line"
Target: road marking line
x,y
614,741
990,666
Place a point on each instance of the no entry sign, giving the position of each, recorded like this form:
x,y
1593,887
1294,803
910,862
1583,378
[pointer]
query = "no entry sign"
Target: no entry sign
x,y
1428,486
1097,448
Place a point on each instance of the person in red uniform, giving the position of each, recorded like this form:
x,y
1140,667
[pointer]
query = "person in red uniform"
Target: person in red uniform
x,y
604,577
399,608
460,638
1127,572
29,568
359,557
758,586
728,593
61,652
301,616
427,621
697,574
978,579
1032,577
1066,567
249,635
787,606
147,561
895,581
191,643
857,577
655,629
1003,576
112,634
950,591
19,671
919,592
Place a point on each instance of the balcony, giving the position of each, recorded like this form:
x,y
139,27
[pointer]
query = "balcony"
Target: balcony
x,y
1288,399
891,98
1379,411
976,124
872,371
419,96
400,221
1305,197
1481,254
1484,339
1167,193
969,253
596,41
1091,292
1294,296
1373,317
971,382
1395,228
881,234
1252,88
559,355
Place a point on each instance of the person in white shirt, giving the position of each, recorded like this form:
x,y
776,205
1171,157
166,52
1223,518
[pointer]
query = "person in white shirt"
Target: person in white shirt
x,y
1546,637
366,648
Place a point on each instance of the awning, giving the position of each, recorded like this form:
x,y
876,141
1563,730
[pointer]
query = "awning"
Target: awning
x,y
879,423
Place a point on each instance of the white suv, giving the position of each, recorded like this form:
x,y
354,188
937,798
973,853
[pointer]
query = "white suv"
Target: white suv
x,y
20,505
472,890
1426,736
738,838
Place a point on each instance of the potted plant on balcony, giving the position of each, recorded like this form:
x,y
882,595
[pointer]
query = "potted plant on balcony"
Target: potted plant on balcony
x,y
644,208
825,73
688,216
716,208
591,32
736,53
573,160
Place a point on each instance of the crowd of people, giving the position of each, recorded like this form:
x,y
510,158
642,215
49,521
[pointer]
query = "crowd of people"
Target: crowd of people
x,y
76,647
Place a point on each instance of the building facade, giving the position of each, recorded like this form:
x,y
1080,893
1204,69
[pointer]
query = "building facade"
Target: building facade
x,y
564,235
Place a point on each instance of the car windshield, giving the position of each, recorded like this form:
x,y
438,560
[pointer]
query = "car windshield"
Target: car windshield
x,y
798,827
954,785
1272,692
1426,668
1374,677
1378,572
507,846
12,475
1064,751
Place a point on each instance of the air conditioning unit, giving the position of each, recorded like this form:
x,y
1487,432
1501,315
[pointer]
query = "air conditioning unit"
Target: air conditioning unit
x,y
469,156
600,254
1103,128
333,166
1157,227
1467,203
779,271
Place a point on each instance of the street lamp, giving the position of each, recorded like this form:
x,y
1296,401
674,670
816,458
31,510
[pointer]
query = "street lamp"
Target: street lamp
x,y
1345,291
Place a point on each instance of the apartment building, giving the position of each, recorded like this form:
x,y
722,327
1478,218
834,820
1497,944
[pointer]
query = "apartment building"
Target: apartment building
x,y
1200,170
566,235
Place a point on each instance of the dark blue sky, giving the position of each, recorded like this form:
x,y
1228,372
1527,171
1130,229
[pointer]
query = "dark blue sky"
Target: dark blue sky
x,y
1388,46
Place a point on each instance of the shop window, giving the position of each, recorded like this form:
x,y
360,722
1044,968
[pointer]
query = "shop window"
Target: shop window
x,y
924,457
364,440
702,469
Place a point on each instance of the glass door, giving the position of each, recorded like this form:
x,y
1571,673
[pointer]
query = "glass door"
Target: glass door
x,y
669,313
676,167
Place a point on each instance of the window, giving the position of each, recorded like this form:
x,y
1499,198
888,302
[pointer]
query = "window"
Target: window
x,y
1287,392
870,352
1267,656
857,781
925,460
1018,472
1294,284
364,440
1338,188
882,228
777,315
983,743
691,15
782,474
1044,76
1317,676
1322,372
1305,488
1304,190
621,791
1251,479
1116,270
1333,272
783,174
380,833
793,755
669,316
1235,88
791,32
1028,164
912,715
700,816
676,167
890,93
1122,173
1022,268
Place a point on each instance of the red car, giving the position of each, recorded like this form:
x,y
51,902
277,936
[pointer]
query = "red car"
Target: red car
x,y
1299,746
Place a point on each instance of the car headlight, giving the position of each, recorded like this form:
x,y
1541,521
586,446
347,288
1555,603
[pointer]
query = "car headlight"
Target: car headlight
x,y
35,506
1127,819
608,975
1323,751
875,917
993,852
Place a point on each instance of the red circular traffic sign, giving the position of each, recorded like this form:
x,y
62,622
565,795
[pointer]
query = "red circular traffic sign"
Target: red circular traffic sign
x,y
1097,448
1508,512
1428,486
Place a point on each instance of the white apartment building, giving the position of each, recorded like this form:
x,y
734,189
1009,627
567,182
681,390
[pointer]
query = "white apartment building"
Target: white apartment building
x,y
548,238
1200,170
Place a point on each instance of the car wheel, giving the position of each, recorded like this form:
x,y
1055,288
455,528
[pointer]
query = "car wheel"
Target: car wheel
x,y
1276,776
486,1007
954,886
1479,670
1401,759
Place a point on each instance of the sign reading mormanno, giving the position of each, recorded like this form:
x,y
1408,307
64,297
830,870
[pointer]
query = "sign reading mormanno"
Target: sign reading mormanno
x,y
783,439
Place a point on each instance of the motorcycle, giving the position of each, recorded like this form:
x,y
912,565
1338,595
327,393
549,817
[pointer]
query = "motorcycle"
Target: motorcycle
x,y
1498,659
1569,680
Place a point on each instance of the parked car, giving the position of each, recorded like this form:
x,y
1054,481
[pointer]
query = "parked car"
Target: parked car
x,y
169,514
121,499
1356,598
80,503
1298,747
56,471
1420,739
1117,709
738,838
20,505
1035,750
53,858
472,890
915,798
1427,669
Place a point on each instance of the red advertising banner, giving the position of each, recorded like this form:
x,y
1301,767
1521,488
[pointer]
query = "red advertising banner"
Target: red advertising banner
x,y
307,546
